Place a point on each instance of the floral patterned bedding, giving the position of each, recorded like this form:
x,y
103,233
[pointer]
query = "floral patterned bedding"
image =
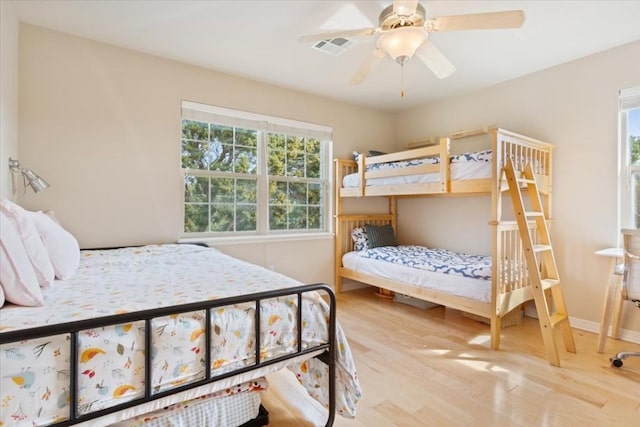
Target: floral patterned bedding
x,y
436,260
34,382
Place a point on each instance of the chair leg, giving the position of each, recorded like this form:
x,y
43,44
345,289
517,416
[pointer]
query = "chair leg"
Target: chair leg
x,y
618,358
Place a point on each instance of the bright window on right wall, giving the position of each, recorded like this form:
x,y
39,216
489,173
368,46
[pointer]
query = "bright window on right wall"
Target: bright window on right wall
x,y
630,157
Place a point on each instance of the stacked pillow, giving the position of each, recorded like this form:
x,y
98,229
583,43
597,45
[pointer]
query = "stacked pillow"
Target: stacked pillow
x,y
34,250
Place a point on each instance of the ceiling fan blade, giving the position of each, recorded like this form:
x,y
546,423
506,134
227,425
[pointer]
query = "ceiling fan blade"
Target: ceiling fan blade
x,y
476,21
404,7
366,67
435,60
337,34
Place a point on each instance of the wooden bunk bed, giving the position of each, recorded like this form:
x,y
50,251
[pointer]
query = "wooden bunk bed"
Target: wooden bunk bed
x,y
509,280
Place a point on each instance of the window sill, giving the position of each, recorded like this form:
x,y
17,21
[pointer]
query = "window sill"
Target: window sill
x,y
241,240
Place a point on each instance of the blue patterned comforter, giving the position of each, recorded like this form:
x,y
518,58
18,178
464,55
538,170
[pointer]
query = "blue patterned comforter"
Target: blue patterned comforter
x,y
479,156
436,260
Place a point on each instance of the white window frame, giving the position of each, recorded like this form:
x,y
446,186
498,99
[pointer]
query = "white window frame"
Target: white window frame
x,y
629,99
264,124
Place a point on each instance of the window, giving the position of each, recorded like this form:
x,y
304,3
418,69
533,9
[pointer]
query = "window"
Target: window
x,y
630,157
249,174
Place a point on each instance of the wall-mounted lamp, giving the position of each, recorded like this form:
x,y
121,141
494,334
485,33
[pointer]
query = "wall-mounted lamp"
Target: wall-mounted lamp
x,y
29,177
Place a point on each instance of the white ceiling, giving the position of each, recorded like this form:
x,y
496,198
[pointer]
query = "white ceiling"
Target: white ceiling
x,y
259,40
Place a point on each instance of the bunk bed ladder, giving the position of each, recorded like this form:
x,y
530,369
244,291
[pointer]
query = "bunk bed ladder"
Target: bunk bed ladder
x,y
540,260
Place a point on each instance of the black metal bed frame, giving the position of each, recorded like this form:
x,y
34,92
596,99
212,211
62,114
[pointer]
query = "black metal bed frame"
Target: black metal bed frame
x,y
74,328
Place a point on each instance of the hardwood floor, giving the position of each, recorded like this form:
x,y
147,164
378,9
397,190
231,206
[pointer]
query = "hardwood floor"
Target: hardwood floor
x,y
435,368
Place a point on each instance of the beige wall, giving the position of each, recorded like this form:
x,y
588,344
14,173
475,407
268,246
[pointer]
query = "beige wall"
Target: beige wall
x,y
8,94
102,125
575,107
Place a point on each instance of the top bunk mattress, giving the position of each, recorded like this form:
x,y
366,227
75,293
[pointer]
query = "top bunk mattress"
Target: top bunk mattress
x,y
465,166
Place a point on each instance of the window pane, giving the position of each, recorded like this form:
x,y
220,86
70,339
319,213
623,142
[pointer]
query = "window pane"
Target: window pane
x,y
633,130
196,131
247,137
195,145
277,192
221,151
314,194
313,146
246,160
196,218
276,162
298,218
246,191
295,164
276,142
246,218
221,217
276,154
222,134
630,204
196,189
297,193
277,218
313,166
315,218
222,190
295,157
221,157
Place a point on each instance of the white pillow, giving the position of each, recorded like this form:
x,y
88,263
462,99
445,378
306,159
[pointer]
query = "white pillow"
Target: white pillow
x,y
30,236
17,277
63,248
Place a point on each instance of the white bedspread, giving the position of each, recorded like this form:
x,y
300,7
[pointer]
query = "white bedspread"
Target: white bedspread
x,y
477,289
34,382
458,171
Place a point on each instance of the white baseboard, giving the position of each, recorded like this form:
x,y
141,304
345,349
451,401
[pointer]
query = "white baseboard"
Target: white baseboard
x,y
589,326
586,325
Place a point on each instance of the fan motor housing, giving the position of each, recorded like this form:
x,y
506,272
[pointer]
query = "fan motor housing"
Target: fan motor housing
x,y
389,19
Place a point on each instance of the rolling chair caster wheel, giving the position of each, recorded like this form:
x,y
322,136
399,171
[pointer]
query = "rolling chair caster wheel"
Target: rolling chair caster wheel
x,y
616,362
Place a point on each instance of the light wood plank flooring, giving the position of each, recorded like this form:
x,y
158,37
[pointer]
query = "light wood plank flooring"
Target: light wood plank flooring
x,y
435,368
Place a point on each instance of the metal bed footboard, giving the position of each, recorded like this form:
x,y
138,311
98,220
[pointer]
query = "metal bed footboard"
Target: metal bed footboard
x,y
74,328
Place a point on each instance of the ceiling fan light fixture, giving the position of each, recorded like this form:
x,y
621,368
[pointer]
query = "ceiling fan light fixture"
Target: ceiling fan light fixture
x,y
401,43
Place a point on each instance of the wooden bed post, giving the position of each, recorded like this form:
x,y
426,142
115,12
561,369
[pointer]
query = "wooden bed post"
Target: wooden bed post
x,y
337,281
393,210
496,249
445,147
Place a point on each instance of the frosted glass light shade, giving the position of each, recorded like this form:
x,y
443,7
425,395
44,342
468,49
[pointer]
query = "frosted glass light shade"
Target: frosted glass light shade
x,y
401,43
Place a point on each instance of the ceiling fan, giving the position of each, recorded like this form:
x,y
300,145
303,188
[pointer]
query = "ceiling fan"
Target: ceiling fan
x,y
403,31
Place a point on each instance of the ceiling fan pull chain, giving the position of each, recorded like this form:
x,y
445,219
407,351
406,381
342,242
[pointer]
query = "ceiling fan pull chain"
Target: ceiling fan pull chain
x,y
402,80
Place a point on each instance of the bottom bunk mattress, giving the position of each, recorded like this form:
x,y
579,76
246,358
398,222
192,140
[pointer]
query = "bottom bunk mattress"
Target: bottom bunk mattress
x,y
111,367
232,407
462,275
